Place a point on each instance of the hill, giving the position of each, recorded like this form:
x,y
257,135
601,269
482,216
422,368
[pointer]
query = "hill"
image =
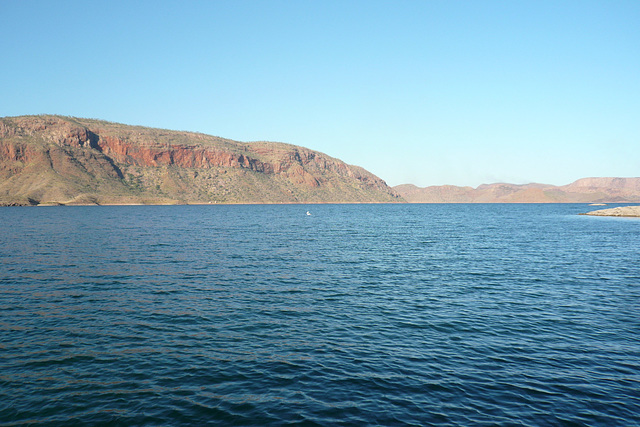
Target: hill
x,y
64,160
586,190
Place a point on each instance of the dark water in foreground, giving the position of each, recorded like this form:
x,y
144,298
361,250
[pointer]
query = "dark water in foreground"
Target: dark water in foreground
x,y
357,314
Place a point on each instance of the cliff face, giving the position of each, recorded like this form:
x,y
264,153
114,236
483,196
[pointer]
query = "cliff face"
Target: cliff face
x,y
51,159
586,190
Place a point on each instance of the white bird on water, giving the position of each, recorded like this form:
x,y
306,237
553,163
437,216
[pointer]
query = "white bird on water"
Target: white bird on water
x,y
308,213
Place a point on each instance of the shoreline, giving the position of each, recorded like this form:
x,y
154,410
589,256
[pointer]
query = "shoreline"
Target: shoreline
x,y
621,212
631,211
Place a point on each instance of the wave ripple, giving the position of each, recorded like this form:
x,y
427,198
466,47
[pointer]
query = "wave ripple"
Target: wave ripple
x,y
261,315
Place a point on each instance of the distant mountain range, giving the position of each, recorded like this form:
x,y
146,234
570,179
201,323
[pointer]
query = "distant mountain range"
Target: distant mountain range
x,y
64,160
586,190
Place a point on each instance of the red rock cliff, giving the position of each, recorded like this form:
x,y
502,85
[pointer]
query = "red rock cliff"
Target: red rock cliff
x,y
124,146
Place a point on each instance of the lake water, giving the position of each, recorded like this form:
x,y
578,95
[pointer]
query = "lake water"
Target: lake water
x,y
355,314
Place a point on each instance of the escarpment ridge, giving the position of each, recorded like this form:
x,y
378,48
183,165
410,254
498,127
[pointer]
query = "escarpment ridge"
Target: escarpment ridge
x,y
65,160
585,190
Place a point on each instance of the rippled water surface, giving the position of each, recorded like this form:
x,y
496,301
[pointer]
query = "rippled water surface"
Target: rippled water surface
x,y
356,314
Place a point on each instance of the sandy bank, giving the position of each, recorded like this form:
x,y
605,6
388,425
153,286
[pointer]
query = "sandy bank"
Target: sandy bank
x,y
627,211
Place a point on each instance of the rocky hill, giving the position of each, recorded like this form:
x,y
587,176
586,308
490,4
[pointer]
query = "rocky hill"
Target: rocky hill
x,y
586,190
63,160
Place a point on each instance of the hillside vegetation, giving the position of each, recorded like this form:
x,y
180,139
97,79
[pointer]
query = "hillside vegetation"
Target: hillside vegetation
x,y
64,160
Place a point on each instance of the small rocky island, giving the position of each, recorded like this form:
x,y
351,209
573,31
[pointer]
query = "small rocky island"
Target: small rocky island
x,y
625,211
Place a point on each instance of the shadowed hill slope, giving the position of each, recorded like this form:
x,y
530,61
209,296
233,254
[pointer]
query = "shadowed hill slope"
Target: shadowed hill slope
x,y
63,160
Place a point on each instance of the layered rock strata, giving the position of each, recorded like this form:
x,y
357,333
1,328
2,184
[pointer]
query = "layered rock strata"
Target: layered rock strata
x,y
62,160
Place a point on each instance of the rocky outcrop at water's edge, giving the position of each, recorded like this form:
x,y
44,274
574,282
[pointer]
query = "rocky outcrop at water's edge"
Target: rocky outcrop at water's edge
x,y
622,211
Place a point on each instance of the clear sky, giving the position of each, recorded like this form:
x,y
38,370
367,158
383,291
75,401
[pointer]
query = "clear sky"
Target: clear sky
x,y
422,92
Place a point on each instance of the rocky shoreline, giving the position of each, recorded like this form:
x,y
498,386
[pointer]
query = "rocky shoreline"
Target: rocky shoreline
x,y
623,211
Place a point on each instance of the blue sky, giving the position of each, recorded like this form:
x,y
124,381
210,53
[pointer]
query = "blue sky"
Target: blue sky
x,y
422,92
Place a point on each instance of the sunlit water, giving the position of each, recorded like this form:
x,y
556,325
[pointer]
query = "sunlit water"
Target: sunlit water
x,y
355,314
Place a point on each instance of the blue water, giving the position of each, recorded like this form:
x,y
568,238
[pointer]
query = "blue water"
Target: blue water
x,y
355,315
